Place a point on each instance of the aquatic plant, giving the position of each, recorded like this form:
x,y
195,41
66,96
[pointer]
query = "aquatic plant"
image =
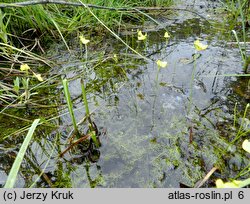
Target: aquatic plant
x,y
50,21
166,35
243,52
25,68
160,65
241,130
25,82
69,104
198,47
92,129
91,125
236,183
127,147
240,8
246,145
85,41
141,36
84,96
20,91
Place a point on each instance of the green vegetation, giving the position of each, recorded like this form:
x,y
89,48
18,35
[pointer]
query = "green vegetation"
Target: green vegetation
x,y
111,53
70,105
39,21
20,156
240,10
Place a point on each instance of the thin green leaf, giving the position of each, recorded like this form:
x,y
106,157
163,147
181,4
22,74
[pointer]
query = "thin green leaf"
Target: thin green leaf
x,y
17,163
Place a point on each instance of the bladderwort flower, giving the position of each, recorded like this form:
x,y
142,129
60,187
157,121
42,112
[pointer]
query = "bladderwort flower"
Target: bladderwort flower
x,y
246,145
115,58
84,40
166,35
38,76
199,46
140,36
233,184
24,67
161,64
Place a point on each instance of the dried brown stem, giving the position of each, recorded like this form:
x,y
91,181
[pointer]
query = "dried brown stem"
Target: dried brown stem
x,y
74,144
209,174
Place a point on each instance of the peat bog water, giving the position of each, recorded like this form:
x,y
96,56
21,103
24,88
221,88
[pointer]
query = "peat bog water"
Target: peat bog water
x,y
154,133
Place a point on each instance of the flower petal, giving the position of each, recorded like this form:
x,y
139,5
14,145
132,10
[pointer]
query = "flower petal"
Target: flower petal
x,y
141,36
84,40
24,67
234,184
199,46
38,76
115,58
166,35
246,145
161,64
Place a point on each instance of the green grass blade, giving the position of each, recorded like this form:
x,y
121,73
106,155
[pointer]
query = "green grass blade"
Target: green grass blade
x,y
69,103
17,163
84,96
60,33
238,42
243,24
114,34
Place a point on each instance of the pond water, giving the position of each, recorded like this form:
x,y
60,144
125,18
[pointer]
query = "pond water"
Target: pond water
x,y
158,128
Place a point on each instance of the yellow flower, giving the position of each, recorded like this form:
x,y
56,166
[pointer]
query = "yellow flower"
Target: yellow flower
x,y
246,146
161,64
115,58
38,76
84,40
234,184
199,46
166,35
141,36
24,67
